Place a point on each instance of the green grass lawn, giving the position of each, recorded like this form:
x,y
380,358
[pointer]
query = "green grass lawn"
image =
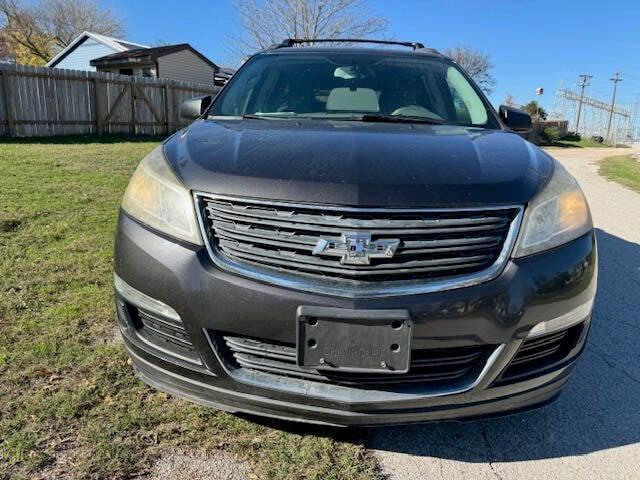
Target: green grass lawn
x,y
583,143
623,169
69,401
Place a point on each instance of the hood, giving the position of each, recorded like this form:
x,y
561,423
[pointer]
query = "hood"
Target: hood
x,y
358,163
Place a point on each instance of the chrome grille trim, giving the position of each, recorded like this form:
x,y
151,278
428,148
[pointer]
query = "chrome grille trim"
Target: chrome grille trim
x,y
349,394
437,368
352,288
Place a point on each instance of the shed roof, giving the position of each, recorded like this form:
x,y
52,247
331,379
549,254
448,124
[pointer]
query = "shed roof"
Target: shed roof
x,y
141,55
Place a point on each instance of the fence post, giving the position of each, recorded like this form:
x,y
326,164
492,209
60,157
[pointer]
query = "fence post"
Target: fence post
x,y
98,105
168,108
8,103
132,93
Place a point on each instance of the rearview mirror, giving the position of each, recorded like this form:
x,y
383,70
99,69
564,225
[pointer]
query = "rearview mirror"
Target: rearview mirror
x,y
514,118
196,106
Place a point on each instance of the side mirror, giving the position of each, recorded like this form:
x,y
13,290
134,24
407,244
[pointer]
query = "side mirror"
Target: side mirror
x,y
196,106
516,119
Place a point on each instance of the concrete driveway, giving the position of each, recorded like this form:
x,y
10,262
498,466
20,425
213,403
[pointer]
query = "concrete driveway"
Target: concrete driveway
x,y
593,430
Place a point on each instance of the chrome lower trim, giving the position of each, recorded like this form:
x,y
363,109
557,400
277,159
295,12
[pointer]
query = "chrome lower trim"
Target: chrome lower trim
x,y
352,289
142,300
348,394
563,322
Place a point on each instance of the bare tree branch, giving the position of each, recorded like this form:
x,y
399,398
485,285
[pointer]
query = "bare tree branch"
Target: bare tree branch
x,y
63,20
477,65
268,22
36,31
509,100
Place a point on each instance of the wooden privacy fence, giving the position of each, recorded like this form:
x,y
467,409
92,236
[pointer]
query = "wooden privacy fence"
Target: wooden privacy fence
x,y
37,101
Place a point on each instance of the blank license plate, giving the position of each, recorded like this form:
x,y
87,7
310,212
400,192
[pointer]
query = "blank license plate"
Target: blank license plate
x,y
354,340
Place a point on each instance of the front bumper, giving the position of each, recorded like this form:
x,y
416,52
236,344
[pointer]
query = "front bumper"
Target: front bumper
x,y
500,312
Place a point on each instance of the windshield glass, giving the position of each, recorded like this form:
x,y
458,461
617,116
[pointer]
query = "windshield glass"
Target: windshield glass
x,y
352,86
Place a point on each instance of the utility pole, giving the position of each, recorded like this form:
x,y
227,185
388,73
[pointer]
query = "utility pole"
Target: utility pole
x,y
616,78
585,82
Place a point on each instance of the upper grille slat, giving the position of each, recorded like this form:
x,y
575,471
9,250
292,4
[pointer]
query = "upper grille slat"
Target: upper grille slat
x,y
427,243
293,256
388,230
296,263
306,243
251,214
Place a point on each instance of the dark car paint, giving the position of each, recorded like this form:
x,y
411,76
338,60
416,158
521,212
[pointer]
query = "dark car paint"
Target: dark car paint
x,y
529,290
355,164
359,164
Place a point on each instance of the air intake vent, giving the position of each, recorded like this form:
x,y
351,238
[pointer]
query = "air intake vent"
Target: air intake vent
x,y
434,367
165,334
542,353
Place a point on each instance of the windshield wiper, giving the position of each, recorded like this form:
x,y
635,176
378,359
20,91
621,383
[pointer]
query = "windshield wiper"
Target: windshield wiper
x,y
250,116
379,117
253,116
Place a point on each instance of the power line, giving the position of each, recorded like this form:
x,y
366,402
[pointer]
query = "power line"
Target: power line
x,y
616,78
595,114
586,81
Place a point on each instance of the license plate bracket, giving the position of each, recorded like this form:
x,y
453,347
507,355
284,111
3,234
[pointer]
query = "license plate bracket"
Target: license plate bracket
x,y
375,341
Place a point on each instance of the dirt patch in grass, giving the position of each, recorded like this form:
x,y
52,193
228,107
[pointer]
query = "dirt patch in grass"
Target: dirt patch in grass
x,y
216,466
70,405
622,169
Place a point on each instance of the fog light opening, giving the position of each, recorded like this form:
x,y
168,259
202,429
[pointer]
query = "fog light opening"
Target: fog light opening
x,y
562,322
142,300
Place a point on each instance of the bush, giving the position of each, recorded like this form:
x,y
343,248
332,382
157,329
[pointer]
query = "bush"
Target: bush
x,y
572,137
551,134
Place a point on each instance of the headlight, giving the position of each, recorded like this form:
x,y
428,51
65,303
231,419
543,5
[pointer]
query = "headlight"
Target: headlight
x,y
158,199
557,215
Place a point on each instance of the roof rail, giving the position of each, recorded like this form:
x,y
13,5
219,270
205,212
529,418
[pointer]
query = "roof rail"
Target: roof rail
x,y
290,42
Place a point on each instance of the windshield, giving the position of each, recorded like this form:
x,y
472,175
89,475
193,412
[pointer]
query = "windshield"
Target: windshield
x,y
352,86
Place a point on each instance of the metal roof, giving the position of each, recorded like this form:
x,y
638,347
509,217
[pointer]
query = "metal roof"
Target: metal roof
x,y
114,43
148,54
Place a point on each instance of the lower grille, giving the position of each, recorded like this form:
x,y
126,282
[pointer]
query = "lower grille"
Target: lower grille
x,y
541,353
165,330
435,367
165,334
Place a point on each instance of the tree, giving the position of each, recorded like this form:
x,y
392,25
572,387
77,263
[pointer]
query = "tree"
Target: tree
x,y
509,100
534,109
268,22
20,48
65,19
477,64
33,32
5,53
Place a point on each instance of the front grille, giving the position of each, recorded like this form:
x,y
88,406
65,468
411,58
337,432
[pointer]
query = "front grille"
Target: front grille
x,y
433,367
536,355
432,243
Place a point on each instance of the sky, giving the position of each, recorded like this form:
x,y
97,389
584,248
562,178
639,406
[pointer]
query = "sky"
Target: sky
x,y
531,43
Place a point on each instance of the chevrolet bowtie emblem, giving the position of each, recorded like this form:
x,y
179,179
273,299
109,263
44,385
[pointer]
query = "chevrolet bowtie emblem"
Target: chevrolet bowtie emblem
x,y
355,248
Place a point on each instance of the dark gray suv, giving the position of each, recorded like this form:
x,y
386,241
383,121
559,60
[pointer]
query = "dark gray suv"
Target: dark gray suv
x,y
353,236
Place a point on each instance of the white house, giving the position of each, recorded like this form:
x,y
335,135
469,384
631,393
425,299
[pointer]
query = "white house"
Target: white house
x,y
87,46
